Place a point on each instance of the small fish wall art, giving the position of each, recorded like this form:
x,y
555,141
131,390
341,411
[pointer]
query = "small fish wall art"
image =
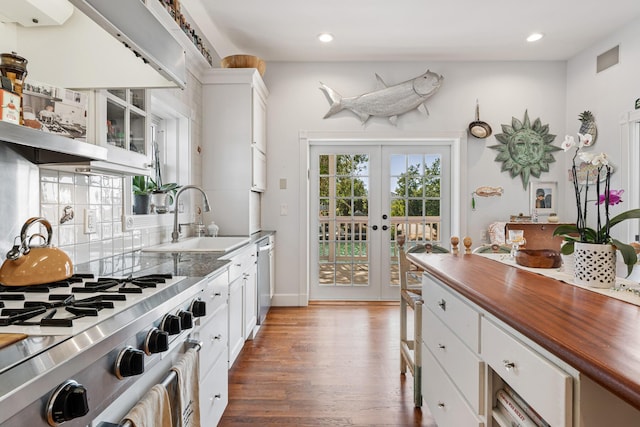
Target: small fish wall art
x,y
386,101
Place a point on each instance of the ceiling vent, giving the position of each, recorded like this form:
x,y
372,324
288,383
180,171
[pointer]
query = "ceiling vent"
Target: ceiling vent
x,y
608,59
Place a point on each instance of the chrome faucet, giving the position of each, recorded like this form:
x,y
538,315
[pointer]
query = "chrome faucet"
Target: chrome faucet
x,y
176,232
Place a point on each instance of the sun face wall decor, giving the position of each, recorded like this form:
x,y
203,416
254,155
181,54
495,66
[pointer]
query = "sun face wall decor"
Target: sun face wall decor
x,y
525,149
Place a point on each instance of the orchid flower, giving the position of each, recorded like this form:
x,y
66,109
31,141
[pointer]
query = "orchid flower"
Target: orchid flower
x,y
615,197
595,159
568,143
584,140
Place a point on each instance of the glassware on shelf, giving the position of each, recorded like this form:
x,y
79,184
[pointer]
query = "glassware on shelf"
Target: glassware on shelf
x,y
515,239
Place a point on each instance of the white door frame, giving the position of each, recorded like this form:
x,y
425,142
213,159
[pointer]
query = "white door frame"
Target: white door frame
x,y
456,140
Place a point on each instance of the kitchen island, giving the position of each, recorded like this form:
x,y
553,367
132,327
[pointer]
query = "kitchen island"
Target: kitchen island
x,y
591,341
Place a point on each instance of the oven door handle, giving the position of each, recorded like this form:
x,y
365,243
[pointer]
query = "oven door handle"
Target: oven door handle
x,y
171,376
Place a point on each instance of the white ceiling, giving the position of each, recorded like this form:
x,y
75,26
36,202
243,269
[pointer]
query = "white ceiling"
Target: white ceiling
x,y
405,30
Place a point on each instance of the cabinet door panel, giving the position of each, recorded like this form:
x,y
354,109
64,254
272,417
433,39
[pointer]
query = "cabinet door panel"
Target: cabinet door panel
x,y
542,384
258,170
462,319
445,403
236,328
461,364
214,394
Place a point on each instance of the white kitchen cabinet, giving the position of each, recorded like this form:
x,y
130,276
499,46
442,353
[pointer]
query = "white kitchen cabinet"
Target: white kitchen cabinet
x,y
234,148
242,299
120,124
212,332
250,301
453,372
236,314
475,355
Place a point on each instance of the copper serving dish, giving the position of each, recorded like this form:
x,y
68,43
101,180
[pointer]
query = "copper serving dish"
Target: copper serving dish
x,y
538,258
34,265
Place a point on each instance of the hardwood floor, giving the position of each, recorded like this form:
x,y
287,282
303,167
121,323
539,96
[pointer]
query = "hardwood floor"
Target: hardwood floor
x,y
324,365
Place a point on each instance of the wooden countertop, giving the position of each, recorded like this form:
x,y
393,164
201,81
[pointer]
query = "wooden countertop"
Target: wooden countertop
x,y
597,335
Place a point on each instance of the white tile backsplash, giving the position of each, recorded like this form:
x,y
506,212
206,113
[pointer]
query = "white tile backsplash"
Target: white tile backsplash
x,y
102,194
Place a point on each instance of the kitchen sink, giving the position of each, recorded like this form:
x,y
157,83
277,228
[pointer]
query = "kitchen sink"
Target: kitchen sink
x,y
201,244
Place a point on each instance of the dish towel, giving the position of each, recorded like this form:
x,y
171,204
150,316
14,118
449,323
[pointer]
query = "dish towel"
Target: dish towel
x,y
188,390
153,410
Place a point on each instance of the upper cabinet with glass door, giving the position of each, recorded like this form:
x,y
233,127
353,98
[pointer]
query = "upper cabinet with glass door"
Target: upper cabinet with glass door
x,y
121,126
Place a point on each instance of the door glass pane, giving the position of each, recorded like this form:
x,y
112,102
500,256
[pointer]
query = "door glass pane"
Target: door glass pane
x,y
343,256
415,202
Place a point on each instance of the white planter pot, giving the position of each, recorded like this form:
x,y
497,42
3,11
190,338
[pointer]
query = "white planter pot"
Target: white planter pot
x,y
568,264
595,265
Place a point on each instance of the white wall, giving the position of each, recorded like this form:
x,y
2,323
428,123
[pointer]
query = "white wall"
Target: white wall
x,y
505,89
608,95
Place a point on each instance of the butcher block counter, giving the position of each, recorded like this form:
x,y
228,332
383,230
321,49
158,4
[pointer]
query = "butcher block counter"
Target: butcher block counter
x,y
594,338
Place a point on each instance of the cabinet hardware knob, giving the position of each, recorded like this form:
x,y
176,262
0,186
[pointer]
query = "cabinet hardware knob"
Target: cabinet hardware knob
x,y
216,397
442,346
217,337
441,405
509,365
442,304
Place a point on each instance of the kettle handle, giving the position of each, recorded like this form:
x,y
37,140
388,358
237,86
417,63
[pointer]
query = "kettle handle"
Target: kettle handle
x,y
25,242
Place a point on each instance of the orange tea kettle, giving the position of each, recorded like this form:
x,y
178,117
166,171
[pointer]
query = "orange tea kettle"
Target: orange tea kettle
x,y
34,265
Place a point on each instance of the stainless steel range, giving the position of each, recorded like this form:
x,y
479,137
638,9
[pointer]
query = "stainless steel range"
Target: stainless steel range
x,y
94,340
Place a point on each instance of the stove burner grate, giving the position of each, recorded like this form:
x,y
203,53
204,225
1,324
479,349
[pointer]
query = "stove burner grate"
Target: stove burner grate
x,y
52,312
7,292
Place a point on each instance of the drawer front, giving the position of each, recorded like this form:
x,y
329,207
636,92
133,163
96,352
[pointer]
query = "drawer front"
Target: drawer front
x,y
461,318
216,293
445,403
545,387
241,261
463,366
214,394
214,337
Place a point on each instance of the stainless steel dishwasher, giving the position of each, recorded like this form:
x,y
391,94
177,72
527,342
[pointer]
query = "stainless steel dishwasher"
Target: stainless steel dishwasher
x,y
265,276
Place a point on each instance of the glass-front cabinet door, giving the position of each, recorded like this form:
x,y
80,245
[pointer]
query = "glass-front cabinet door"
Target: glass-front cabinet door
x,y
121,126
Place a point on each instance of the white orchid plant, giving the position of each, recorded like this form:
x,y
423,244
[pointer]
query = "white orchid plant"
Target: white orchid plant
x,y
580,232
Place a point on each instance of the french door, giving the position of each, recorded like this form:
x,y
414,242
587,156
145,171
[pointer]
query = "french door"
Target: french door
x,y
361,197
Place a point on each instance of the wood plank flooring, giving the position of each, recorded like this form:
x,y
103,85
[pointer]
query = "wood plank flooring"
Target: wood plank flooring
x,y
324,365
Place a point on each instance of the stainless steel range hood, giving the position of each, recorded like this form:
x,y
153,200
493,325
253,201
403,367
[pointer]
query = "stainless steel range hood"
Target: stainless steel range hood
x,y
131,22
40,147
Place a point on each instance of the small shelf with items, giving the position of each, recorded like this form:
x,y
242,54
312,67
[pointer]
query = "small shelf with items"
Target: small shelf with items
x,y
174,18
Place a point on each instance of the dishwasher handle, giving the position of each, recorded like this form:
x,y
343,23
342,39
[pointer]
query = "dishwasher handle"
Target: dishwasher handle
x,y
265,248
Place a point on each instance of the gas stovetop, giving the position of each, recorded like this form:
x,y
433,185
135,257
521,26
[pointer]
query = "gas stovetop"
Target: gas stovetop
x,y
71,306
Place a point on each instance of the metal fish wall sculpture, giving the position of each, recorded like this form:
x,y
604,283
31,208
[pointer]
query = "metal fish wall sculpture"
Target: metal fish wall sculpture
x,y
386,101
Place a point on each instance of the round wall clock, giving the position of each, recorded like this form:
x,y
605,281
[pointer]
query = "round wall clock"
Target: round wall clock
x,y
525,149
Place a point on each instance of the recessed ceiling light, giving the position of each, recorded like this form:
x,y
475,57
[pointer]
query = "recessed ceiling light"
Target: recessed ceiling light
x,y
534,37
325,37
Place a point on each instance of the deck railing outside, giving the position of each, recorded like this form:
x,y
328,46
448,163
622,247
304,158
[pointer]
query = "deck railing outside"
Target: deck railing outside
x,y
344,241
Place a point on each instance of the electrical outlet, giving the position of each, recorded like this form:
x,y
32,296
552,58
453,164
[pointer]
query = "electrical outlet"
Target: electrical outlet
x,y
127,222
483,235
284,209
90,221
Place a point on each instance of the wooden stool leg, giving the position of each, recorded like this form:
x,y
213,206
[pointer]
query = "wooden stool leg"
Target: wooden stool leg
x,y
403,333
417,354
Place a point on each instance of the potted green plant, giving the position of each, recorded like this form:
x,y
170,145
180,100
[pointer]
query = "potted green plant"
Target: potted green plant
x,y
142,187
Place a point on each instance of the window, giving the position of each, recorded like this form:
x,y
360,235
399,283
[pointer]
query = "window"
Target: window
x,y
169,145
